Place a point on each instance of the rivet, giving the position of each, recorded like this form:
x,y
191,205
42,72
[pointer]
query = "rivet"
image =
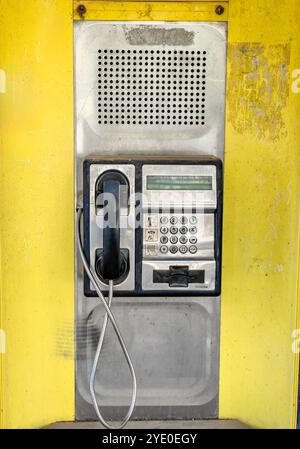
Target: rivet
x,y
219,10
81,9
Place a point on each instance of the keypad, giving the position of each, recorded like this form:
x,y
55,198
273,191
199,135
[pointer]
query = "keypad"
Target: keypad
x,y
175,235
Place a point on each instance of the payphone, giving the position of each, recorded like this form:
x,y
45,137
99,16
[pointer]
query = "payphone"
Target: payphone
x,y
154,226
151,227
149,137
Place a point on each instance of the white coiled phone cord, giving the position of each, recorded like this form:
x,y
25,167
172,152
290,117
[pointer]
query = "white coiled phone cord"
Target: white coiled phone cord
x,y
107,305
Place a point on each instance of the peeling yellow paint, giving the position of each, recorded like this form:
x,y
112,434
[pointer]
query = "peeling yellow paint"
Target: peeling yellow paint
x,y
258,89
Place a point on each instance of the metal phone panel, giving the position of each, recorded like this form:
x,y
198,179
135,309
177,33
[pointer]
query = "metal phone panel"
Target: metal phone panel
x,y
150,88
178,380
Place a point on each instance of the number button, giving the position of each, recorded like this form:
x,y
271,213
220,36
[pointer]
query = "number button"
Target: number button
x,y
163,249
164,220
193,220
183,249
193,240
183,220
183,239
173,220
173,249
173,239
164,239
193,230
193,249
173,230
164,230
183,230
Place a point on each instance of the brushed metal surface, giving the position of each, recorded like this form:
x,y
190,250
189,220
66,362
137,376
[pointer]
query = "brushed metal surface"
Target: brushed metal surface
x,y
174,342
99,86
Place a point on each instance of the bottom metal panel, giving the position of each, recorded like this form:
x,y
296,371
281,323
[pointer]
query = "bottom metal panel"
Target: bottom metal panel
x,y
174,345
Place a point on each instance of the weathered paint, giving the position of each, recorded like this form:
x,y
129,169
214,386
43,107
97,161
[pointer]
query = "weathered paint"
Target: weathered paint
x,y
258,370
37,210
258,89
149,11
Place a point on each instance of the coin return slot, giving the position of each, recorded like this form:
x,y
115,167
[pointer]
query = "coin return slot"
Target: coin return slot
x,y
178,276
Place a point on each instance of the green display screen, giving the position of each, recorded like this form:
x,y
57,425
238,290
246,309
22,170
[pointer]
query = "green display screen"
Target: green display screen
x,y
179,182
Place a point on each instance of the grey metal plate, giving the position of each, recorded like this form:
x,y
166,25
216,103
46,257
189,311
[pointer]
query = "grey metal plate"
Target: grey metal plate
x,y
175,351
157,88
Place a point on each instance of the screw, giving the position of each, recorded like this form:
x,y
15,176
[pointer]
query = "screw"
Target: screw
x,y
219,10
81,9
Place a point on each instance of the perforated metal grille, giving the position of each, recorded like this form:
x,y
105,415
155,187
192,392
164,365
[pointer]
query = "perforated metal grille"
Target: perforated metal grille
x,y
151,87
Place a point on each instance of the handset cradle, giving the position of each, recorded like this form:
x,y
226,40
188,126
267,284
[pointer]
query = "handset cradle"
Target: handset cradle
x,y
112,262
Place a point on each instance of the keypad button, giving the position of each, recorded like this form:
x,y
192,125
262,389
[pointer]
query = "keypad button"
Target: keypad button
x,y
173,230
183,220
151,235
173,220
151,221
164,230
193,249
164,239
173,239
183,230
193,230
183,249
164,220
163,249
183,239
150,250
173,249
193,219
193,240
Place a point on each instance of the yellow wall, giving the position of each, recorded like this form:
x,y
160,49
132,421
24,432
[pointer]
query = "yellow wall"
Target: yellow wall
x,y
261,216
37,211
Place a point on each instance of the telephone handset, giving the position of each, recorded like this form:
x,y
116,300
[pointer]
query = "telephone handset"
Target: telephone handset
x,y
111,190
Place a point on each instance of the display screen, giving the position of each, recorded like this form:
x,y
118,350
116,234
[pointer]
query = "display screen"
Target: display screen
x,y
179,183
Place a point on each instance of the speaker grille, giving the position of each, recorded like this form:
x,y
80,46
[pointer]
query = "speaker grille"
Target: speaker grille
x,y
151,87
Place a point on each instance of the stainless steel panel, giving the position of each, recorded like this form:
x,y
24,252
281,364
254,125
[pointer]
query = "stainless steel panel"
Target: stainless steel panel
x,y
174,342
174,348
138,92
